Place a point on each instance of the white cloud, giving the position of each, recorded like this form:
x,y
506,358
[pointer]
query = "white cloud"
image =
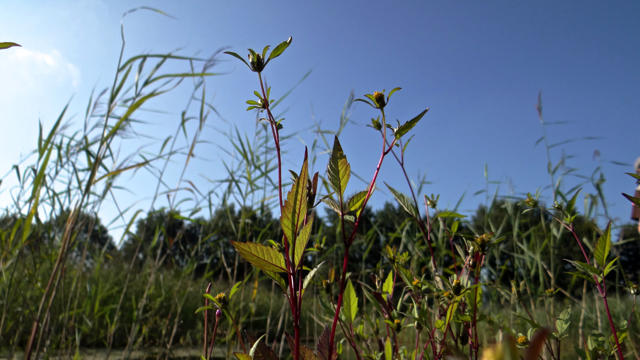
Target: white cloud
x,y
26,70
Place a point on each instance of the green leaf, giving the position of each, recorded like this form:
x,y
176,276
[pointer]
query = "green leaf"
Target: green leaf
x,y
585,268
635,176
562,322
446,214
356,202
295,206
350,302
301,243
451,310
572,203
310,275
388,349
6,45
406,203
238,56
365,101
278,279
260,256
404,128
332,204
634,200
338,170
279,49
610,266
603,246
391,93
252,352
582,275
387,287
241,356
234,289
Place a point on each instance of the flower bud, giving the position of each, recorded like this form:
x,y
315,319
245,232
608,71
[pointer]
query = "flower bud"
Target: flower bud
x,y
456,287
218,314
378,98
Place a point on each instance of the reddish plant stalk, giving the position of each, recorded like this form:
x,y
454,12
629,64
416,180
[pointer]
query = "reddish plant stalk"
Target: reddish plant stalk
x,y
349,241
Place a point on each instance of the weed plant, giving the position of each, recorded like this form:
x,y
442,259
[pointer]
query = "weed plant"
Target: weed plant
x,y
518,279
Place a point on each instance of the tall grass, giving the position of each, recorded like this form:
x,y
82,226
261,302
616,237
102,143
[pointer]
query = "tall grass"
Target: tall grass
x,y
67,285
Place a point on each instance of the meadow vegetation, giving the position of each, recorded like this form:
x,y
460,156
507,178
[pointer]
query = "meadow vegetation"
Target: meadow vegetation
x,y
294,264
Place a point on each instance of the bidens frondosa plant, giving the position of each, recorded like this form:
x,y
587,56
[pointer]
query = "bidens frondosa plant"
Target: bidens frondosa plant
x,y
420,304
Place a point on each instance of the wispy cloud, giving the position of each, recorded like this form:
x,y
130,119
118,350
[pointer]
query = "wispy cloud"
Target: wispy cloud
x,y
25,70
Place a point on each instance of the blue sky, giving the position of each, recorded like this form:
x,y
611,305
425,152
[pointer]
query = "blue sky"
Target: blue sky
x,y
478,66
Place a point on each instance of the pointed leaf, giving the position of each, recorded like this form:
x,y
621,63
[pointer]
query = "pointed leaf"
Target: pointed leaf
x,y
585,268
278,279
603,247
260,256
404,128
388,349
295,206
406,203
610,266
305,352
634,200
446,214
356,202
350,302
234,289
254,348
6,45
322,348
387,287
310,275
332,204
279,49
301,242
338,170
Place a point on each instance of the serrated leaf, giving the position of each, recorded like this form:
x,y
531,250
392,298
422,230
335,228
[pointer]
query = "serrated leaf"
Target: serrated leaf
x,y
603,247
338,170
583,275
322,347
260,256
387,287
404,128
562,322
301,242
295,206
356,202
278,279
406,203
610,266
332,204
305,352
585,268
350,302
